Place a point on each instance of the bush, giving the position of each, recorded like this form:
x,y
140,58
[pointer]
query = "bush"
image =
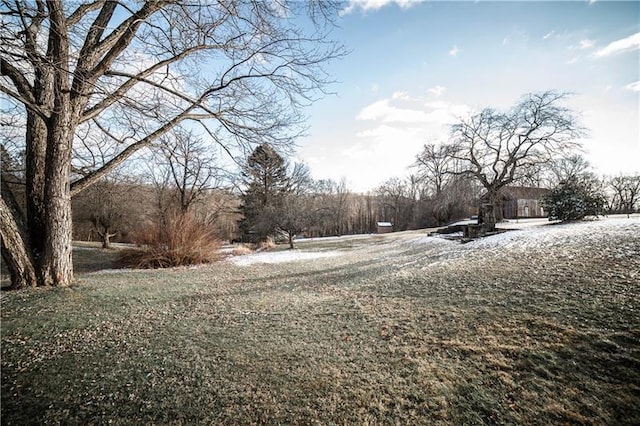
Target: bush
x,y
241,251
575,199
266,245
176,240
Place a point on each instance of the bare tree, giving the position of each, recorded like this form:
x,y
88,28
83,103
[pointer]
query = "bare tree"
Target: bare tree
x,y
297,211
81,73
111,206
568,168
322,220
497,147
456,201
339,205
436,166
626,192
221,209
393,198
188,167
447,193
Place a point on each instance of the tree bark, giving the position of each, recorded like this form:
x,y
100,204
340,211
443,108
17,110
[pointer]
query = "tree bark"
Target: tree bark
x,y
57,267
57,260
16,251
491,212
290,235
106,238
36,137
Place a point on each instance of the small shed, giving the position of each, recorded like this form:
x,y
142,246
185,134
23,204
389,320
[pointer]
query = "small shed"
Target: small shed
x,y
385,227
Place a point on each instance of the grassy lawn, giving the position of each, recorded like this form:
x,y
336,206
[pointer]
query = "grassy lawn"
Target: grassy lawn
x,y
396,329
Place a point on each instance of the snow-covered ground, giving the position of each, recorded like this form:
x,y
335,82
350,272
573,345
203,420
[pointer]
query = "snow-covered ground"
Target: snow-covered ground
x,y
279,257
521,235
524,223
617,233
334,238
559,234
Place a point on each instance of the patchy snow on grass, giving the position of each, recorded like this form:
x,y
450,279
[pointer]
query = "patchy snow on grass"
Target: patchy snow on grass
x,y
279,257
334,238
602,233
524,223
614,238
561,234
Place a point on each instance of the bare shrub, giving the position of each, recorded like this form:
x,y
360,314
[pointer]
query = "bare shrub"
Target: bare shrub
x,y
175,240
266,245
241,251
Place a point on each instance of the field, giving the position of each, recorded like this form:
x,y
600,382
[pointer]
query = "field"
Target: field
x,y
533,326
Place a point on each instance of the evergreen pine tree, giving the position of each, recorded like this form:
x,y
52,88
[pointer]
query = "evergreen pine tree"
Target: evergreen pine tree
x,y
575,198
266,182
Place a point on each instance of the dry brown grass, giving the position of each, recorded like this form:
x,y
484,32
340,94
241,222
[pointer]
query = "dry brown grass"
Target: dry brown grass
x,y
387,333
241,250
266,245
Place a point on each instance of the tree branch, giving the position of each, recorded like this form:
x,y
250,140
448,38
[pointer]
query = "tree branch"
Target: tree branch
x,y
22,85
85,181
117,94
82,10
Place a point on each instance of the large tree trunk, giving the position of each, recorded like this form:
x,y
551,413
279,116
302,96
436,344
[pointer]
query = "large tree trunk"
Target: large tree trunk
x,y
105,237
38,251
36,149
56,265
491,210
57,261
15,246
53,265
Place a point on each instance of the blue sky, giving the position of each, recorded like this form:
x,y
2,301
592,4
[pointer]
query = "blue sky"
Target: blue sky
x,y
415,67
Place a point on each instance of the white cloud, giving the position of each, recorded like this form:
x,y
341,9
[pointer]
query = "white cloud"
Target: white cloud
x,y
629,43
388,135
367,5
387,113
385,132
445,113
437,90
439,113
382,152
454,51
548,35
573,60
586,43
612,146
401,95
634,87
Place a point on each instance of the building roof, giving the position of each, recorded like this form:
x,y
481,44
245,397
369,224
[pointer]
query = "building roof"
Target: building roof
x,y
521,193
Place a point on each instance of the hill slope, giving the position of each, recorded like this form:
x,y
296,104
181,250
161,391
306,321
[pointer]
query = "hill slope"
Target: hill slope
x,y
539,325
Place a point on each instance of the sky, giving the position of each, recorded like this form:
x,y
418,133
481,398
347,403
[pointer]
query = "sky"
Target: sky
x,y
415,68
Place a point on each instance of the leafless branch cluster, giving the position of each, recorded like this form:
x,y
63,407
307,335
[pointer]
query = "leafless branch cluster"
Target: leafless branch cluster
x,y
238,69
95,82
